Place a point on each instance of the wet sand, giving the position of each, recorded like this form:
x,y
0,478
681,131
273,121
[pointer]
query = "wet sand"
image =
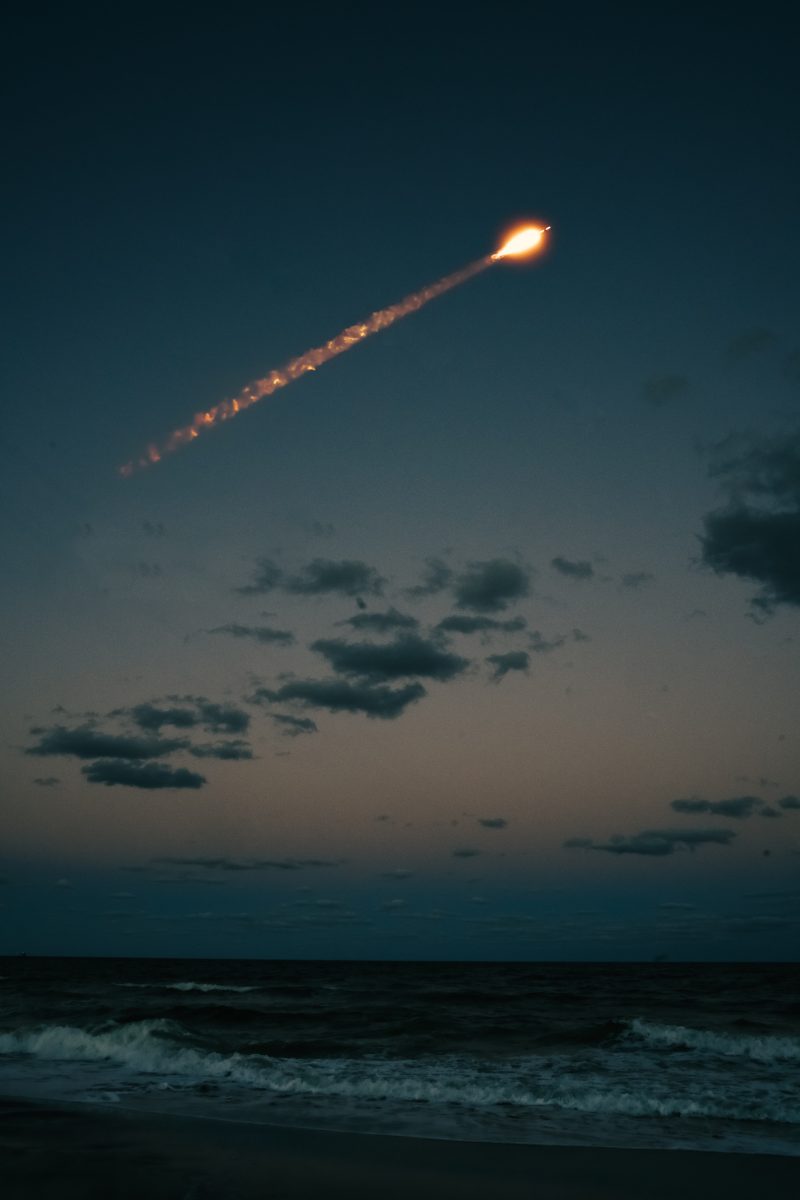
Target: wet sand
x,y
49,1152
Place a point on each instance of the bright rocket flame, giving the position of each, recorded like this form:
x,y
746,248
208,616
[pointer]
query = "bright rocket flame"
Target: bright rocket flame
x,y
524,241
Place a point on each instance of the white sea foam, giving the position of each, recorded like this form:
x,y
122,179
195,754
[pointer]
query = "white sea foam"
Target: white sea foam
x,y
761,1047
152,1058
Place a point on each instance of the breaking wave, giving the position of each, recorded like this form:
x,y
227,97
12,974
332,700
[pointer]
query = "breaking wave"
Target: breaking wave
x,y
158,1048
761,1047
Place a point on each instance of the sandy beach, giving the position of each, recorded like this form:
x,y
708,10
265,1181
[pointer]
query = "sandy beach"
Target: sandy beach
x,y
49,1152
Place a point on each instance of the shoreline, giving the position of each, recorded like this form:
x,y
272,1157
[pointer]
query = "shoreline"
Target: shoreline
x,y
52,1151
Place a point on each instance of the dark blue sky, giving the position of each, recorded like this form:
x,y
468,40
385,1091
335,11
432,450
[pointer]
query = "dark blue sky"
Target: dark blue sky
x,y
592,460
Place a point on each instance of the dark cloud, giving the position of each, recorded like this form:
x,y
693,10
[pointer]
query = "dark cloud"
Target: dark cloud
x,y
248,864
235,750
636,579
294,726
403,658
758,542
769,811
657,843
760,546
466,852
790,803
435,578
458,623
151,717
48,781
349,577
493,822
491,586
259,633
736,806
765,467
750,342
220,718
154,529
149,775
86,742
149,570
665,389
381,622
571,568
336,695
266,576
213,717
514,660
579,636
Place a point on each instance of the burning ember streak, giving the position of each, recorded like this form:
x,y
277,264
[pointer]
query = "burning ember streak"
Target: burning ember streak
x,y
523,242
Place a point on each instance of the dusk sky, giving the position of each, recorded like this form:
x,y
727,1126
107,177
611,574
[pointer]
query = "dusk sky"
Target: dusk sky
x,y
482,640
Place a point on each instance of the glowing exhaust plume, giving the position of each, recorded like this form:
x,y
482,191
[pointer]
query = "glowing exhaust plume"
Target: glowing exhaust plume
x,y
524,241
521,243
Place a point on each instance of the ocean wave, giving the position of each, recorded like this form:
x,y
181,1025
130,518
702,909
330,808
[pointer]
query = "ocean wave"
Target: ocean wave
x,y
190,986
761,1047
151,1048
136,1044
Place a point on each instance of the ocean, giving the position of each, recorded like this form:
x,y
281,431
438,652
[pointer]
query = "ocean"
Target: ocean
x,y
628,1055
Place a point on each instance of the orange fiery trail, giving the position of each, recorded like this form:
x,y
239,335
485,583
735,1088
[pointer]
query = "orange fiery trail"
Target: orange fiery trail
x,y
312,359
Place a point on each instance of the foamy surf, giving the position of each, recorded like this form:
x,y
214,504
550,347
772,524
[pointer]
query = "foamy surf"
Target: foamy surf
x,y
589,1055
158,1049
762,1048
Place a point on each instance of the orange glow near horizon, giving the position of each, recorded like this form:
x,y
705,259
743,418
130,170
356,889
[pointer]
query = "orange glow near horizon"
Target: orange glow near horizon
x,y
522,241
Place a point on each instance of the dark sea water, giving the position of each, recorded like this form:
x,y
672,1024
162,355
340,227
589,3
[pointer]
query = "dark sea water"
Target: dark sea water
x,y
697,1056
